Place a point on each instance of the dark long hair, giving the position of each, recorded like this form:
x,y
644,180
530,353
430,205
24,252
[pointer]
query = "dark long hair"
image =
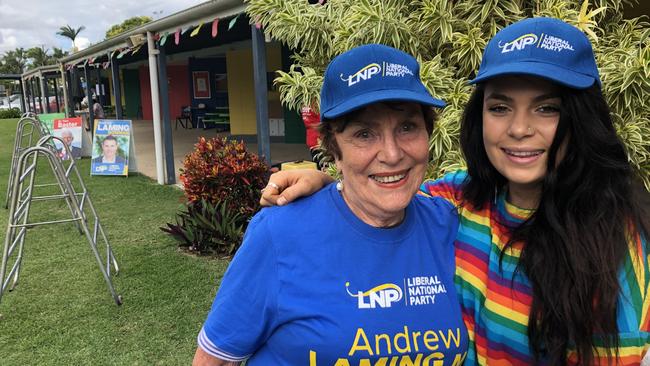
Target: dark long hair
x,y
576,240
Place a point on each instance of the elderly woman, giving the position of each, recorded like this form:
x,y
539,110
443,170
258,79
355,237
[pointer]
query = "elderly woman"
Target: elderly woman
x,y
361,272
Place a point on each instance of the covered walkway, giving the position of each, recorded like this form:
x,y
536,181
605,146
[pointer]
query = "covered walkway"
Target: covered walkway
x,y
184,141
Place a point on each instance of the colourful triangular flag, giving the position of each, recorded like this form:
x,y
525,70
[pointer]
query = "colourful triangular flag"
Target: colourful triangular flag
x,y
122,53
177,36
215,27
136,49
232,22
163,39
196,30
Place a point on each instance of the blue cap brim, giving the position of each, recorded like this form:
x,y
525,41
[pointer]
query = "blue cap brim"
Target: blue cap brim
x,y
551,72
365,99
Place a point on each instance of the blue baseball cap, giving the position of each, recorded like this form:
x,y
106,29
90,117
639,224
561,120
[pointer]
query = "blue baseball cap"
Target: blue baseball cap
x,y
545,47
369,74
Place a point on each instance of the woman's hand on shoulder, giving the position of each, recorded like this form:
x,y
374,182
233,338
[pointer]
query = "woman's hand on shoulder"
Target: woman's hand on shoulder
x,y
288,185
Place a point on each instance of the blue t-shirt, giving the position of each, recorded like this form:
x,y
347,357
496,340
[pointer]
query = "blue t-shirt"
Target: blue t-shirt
x,y
314,285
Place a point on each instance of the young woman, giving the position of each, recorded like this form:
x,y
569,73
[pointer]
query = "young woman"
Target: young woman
x,y
552,252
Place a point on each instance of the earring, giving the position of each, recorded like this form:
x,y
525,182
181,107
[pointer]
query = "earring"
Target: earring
x,y
339,185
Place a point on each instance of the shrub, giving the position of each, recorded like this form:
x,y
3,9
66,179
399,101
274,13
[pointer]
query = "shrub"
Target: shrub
x,y
10,113
448,37
222,183
223,170
208,228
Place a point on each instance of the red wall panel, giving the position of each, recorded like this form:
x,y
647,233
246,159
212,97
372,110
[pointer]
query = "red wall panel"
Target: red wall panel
x,y
178,88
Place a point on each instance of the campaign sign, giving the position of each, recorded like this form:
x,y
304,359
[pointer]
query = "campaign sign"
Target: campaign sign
x,y
68,130
48,119
110,154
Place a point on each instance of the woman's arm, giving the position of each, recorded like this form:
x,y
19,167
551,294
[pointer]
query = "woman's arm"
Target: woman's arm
x,y
202,358
288,185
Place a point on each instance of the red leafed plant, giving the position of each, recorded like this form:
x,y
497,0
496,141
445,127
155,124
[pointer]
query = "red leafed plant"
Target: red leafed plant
x,y
222,170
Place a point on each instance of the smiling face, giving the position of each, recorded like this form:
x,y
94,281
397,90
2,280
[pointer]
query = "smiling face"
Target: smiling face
x,y
520,117
383,158
67,137
109,149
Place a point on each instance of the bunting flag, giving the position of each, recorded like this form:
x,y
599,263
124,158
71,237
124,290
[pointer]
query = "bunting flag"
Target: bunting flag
x,y
92,59
177,36
163,39
196,30
215,27
123,52
105,65
232,22
136,49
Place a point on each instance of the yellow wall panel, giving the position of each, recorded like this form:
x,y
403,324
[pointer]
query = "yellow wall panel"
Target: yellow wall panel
x,y
241,90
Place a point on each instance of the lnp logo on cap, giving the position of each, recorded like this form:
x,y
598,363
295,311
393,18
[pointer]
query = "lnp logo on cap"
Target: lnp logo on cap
x,y
386,69
544,41
364,74
519,43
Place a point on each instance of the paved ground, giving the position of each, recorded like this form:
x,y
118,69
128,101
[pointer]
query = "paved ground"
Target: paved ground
x,y
184,141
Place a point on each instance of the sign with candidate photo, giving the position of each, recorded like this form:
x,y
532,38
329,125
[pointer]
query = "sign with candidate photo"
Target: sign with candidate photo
x,y
68,130
110,152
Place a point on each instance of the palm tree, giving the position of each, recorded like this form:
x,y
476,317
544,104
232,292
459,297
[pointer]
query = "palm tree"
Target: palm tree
x,y
69,32
39,56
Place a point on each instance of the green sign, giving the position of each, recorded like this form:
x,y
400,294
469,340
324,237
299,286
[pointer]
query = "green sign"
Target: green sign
x,y
48,119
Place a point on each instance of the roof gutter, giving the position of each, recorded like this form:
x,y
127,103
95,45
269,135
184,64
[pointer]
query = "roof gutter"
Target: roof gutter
x,y
202,12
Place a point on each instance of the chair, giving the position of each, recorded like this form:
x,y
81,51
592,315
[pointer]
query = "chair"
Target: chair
x,y
185,119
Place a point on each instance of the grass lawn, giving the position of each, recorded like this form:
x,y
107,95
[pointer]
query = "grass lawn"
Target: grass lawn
x,y
61,312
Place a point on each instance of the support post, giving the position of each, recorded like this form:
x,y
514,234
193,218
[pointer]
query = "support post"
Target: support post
x,y
166,118
45,99
56,94
69,102
23,95
261,94
155,106
98,87
91,115
64,84
117,88
33,93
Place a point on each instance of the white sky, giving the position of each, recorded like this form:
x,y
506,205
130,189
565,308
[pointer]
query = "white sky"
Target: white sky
x,y
31,23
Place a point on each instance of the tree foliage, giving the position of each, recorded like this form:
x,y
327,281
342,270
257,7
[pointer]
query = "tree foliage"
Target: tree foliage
x,y
68,31
448,38
126,25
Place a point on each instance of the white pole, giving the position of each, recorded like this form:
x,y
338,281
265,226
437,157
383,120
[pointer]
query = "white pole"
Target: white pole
x,y
155,106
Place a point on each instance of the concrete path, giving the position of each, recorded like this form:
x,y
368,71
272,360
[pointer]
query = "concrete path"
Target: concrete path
x,y
184,141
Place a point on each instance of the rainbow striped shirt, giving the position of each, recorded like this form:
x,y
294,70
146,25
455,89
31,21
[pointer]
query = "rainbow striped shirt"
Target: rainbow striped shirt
x,y
496,308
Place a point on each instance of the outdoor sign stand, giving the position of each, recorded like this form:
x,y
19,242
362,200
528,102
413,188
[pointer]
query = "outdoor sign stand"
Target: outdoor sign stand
x,y
20,201
27,130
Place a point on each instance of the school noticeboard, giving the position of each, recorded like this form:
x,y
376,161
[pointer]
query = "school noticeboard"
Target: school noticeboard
x,y
68,130
110,152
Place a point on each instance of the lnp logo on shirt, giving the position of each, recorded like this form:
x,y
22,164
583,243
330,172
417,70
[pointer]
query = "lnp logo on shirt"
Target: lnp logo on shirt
x,y
383,296
418,290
